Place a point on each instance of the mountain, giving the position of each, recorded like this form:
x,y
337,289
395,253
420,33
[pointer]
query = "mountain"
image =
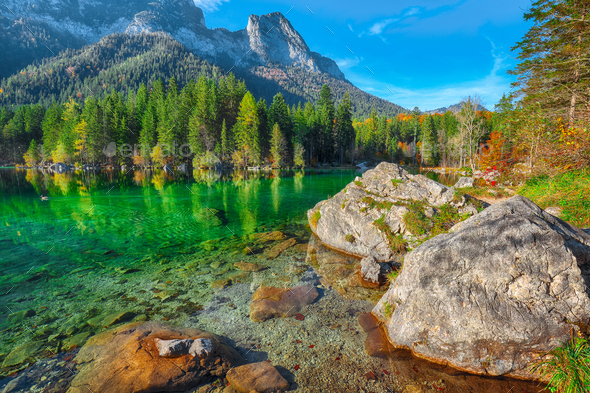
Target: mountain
x,y
456,108
75,35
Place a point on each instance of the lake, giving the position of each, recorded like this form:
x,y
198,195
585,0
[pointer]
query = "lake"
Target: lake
x,y
109,247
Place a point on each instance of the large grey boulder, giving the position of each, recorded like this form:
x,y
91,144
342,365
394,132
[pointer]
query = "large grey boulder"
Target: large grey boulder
x,y
347,220
503,287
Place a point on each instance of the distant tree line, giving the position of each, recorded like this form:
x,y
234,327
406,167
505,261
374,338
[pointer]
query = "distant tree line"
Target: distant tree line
x,y
211,123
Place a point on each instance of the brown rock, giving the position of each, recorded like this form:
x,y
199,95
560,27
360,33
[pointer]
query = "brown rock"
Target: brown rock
x,y
260,377
221,283
279,248
376,343
300,248
271,302
249,267
118,317
356,280
267,237
126,360
414,389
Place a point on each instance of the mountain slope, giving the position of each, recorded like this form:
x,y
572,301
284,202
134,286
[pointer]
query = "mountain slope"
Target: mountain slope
x,y
109,47
122,62
267,38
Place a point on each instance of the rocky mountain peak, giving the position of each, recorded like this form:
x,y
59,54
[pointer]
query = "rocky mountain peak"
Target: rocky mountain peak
x,y
274,39
268,40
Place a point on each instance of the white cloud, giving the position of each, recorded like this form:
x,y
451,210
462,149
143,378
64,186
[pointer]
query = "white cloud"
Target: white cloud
x,y
378,27
347,63
209,5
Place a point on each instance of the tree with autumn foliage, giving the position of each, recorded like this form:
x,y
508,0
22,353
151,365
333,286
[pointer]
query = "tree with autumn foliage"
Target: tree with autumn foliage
x,y
491,152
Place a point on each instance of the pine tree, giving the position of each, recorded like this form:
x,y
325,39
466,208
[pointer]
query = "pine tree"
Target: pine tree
x,y
226,142
428,141
325,109
554,71
246,132
343,131
279,113
81,142
278,146
51,126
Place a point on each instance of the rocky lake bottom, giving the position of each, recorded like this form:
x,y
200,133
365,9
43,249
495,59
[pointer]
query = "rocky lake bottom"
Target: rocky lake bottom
x,y
98,261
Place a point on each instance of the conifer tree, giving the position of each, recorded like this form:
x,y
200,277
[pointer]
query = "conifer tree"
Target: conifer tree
x,y
246,132
278,146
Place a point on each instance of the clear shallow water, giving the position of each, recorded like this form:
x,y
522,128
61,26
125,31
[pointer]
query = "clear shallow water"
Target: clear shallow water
x,y
74,256
114,246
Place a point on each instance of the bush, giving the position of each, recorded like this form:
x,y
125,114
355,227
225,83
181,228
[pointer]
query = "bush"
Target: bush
x,y
568,368
396,243
315,217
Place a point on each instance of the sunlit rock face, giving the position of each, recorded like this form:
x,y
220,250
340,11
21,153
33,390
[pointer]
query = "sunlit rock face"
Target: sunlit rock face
x,y
503,287
347,221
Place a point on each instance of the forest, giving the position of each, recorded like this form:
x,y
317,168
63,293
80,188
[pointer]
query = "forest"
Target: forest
x,y
540,127
220,123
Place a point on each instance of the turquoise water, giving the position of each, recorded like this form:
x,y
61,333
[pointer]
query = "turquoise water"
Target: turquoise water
x,y
72,257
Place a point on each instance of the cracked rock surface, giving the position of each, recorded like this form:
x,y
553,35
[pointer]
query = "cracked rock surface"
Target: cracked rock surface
x,y
503,287
346,221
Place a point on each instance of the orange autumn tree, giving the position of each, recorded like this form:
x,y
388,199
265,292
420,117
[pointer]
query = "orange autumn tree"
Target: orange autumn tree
x,y
491,152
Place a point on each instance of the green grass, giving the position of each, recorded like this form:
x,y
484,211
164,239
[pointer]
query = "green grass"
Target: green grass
x,y
568,367
490,192
388,309
396,242
415,219
349,238
396,182
344,203
315,217
358,183
374,204
392,275
419,223
570,191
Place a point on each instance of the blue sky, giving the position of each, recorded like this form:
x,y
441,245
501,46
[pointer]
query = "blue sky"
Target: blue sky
x,y
413,53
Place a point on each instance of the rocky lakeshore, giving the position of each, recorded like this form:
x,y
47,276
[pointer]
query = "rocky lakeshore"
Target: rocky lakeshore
x,y
489,295
274,310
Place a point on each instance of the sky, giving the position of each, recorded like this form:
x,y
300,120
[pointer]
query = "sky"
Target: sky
x,y
428,54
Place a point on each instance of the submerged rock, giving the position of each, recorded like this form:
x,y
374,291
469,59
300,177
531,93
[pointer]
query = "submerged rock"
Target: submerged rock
x,y
279,248
249,267
128,360
259,377
271,302
500,289
367,217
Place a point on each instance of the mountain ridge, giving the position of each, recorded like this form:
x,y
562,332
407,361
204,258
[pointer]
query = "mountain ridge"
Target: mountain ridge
x,y
269,54
184,21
